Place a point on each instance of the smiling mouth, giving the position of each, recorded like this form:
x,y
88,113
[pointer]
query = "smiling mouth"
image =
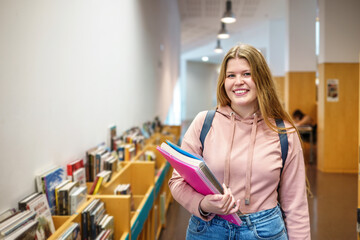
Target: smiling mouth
x,y
242,91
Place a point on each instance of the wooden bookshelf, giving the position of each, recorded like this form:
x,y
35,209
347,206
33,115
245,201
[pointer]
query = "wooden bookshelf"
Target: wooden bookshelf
x,y
161,190
173,129
142,215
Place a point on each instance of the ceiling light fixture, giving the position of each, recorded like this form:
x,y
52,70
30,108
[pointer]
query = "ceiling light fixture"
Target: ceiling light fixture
x,y
218,48
228,16
205,59
223,33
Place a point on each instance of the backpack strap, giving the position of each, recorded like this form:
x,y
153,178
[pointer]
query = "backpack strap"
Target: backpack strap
x,y
284,144
206,126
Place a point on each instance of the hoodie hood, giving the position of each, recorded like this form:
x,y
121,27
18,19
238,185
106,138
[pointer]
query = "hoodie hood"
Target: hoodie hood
x,y
227,111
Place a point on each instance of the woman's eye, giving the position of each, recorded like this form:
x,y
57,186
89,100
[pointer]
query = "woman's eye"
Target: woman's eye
x,y
247,74
231,75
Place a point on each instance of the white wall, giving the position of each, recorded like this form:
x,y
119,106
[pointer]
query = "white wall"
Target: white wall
x,y
339,40
300,42
201,80
68,69
276,55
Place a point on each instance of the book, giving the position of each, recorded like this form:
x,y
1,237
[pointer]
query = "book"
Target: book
x,y
73,166
95,216
103,177
71,233
90,165
16,222
22,203
7,214
112,131
43,215
125,189
51,180
64,197
57,195
79,176
27,231
108,224
12,219
196,173
39,180
85,219
93,185
77,198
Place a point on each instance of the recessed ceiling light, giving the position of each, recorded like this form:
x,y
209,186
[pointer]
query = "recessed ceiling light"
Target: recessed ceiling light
x,y
205,59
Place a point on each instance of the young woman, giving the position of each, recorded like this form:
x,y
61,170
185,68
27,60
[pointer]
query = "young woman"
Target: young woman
x,y
242,148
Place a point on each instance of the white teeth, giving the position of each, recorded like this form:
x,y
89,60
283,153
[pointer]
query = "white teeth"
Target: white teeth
x,y
240,91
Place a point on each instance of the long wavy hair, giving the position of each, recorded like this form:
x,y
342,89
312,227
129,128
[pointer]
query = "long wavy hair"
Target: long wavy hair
x,y
268,100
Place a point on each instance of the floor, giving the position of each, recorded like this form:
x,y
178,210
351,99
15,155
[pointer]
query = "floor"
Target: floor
x,y
333,207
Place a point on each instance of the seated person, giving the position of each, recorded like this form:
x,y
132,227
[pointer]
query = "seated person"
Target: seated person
x,y
301,119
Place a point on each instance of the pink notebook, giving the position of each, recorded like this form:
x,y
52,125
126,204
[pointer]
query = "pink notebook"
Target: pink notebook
x,y
195,172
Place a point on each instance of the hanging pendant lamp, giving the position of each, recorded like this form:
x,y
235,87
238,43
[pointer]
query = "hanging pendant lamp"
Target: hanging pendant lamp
x,y
228,16
223,33
218,48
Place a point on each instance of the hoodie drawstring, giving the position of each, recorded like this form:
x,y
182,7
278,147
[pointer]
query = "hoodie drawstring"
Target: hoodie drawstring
x,y
227,160
250,160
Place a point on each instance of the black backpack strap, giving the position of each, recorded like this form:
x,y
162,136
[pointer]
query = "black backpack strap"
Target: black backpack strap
x,y
283,142
206,126
279,123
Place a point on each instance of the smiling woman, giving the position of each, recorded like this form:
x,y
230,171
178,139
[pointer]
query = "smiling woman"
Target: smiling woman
x,y
240,87
242,149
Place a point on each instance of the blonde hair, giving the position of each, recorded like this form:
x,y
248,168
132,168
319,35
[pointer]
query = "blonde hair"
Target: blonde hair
x,y
268,100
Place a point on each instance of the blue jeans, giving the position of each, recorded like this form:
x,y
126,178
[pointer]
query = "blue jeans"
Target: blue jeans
x,y
267,224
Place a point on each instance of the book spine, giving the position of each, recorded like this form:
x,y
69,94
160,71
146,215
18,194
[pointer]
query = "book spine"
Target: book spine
x,y
97,163
91,168
84,230
61,203
92,226
93,185
98,184
69,169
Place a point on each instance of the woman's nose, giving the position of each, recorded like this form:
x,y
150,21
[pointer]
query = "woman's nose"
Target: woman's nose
x,y
239,79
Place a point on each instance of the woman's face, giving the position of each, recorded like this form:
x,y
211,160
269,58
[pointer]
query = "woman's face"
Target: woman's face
x,y
240,87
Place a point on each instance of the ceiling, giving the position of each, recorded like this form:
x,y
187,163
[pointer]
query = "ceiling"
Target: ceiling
x,y
200,22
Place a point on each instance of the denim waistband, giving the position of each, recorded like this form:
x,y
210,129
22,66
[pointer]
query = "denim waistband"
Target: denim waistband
x,y
249,219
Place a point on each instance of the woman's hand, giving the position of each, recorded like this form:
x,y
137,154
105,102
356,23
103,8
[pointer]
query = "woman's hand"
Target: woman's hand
x,y
222,204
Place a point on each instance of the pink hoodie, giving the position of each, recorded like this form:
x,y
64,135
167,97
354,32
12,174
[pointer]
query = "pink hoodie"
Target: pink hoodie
x,y
247,157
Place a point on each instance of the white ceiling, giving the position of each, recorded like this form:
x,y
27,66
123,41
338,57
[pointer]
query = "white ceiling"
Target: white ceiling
x,y
200,23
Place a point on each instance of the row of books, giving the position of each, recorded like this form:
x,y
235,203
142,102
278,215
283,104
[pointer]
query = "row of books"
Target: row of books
x,y
128,144
62,190
101,178
100,158
95,222
125,189
57,180
32,221
69,197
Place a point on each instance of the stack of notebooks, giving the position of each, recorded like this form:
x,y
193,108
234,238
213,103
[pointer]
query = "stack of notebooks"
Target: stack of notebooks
x,y
196,173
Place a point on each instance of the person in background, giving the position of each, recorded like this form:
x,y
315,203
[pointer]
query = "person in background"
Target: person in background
x,y
301,119
242,149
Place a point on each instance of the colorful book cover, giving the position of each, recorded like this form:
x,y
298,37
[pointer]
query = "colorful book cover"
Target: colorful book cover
x,y
73,166
80,176
196,173
51,180
43,216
